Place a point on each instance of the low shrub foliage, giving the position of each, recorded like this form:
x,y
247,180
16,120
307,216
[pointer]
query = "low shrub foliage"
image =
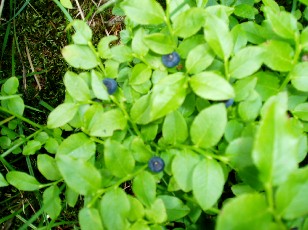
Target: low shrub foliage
x,y
200,107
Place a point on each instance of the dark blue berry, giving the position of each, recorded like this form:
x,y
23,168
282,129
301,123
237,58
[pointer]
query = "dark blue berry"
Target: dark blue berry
x,y
111,85
171,60
229,102
156,164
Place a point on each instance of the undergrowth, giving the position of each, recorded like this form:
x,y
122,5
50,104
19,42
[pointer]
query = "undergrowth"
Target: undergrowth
x,y
186,115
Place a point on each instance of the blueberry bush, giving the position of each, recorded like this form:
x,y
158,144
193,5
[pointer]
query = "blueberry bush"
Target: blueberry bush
x,y
200,107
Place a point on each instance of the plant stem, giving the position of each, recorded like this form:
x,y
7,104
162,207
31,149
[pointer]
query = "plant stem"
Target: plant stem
x,y
294,6
100,192
133,124
22,118
270,201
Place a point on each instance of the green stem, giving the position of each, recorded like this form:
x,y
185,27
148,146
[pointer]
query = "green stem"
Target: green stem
x,y
7,120
23,118
106,5
7,152
65,12
100,192
133,124
294,6
100,64
270,200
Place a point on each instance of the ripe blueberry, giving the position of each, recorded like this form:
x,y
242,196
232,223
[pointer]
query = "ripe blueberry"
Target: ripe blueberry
x,y
171,60
229,102
156,164
111,85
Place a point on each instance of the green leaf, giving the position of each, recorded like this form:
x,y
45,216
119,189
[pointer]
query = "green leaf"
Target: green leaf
x,y
301,111
304,38
77,146
160,43
31,147
98,87
248,211
208,182
149,131
174,128
283,23
42,137
23,181
138,45
244,87
299,76
175,207
83,34
80,56
121,53
233,130
267,84
211,86
48,167
275,147
239,38
76,87
245,11
278,55
272,4
67,4
140,111
136,209
79,175
10,86
71,197
239,152
183,165
89,219
140,151
112,68
254,32
221,11
190,43
168,94
52,201
250,108
62,115
143,12
114,208
118,159
218,37
157,212
188,106
189,22
140,225
144,188
209,126
140,74
3,182
51,145
245,62
290,197
201,3
5,142
103,46
199,58
14,104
